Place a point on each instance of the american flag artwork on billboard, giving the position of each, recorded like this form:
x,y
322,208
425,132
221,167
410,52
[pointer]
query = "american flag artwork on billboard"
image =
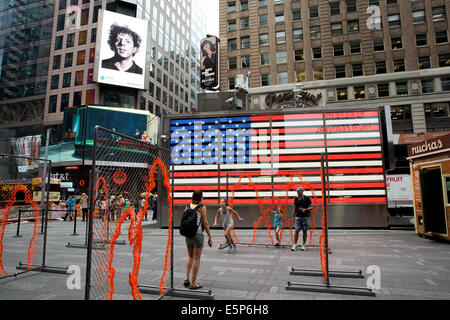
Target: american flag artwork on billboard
x,y
278,153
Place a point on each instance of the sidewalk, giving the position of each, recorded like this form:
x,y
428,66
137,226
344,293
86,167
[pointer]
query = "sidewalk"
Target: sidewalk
x,y
411,267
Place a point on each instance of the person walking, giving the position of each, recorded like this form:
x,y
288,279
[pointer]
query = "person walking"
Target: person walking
x,y
227,223
155,206
194,244
84,206
302,214
70,207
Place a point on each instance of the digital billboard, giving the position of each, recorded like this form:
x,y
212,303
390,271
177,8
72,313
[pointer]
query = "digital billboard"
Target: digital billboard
x,y
121,51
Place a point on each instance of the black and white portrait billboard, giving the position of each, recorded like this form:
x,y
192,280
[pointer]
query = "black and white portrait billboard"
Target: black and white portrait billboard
x,y
209,63
121,51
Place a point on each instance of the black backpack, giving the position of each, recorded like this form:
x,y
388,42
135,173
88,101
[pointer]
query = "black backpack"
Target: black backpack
x,y
188,225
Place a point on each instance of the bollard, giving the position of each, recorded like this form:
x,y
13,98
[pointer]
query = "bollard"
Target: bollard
x,y
75,225
18,225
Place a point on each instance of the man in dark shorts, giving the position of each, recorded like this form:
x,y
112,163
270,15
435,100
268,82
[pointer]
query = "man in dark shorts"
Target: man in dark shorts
x,y
302,215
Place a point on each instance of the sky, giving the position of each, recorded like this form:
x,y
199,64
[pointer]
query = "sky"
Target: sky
x,y
213,17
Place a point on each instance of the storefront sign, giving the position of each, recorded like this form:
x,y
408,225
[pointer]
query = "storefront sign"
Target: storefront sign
x,y
429,146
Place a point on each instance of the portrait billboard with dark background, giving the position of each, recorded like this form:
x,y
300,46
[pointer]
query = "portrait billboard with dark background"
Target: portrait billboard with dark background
x,y
209,58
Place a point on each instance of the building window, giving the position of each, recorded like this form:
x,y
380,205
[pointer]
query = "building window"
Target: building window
x,y
79,77
342,94
278,2
82,37
419,17
317,53
262,3
334,8
84,16
263,20
353,26
351,5
355,47
282,78
360,92
394,21
281,57
297,34
279,17
54,84
232,63
445,84
245,42
244,23
68,60
438,110
441,36
301,76
402,88
280,37
318,74
313,12
60,23
444,60
378,45
231,84
427,86
338,49
91,55
66,80
64,101
58,42
424,62
296,15
380,67
357,70
232,44
401,112
399,65
438,14
396,43
374,2
421,39
93,35
298,55
245,61
231,7
70,40
264,39
315,32
383,90
77,99
265,59
336,29
232,25
81,57
52,104
340,71
90,77
244,5
265,80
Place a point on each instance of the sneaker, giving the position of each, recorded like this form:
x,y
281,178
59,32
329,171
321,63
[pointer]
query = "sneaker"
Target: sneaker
x,y
294,247
230,248
303,247
223,246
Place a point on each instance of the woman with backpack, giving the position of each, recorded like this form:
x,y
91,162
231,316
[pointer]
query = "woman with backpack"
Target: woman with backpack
x,y
193,223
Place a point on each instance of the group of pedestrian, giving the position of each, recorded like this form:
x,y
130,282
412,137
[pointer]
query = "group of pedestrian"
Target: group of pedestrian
x,y
195,218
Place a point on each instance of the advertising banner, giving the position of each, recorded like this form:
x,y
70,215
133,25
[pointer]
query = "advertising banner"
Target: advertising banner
x,y
122,50
209,69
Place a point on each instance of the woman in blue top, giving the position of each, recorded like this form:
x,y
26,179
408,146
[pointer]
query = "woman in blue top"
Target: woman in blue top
x,y
277,224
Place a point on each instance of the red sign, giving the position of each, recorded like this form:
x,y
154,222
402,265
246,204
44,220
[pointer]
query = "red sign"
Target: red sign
x,y
72,168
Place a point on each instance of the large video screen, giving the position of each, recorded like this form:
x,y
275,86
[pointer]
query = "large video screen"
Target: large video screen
x,y
122,46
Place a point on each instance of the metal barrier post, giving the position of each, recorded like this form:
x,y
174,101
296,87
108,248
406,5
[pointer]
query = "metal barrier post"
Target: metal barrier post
x,y
18,225
75,225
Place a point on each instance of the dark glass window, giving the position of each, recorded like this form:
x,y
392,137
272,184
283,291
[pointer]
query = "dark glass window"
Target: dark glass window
x,y
68,60
441,36
421,39
58,42
77,99
64,101
56,62
357,69
338,49
52,104
70,40
60,22
93,35
340,71
54,82
66,79
383,90
380,67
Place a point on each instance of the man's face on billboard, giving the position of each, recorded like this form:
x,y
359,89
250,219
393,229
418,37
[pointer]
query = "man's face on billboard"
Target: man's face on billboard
x,y
125,46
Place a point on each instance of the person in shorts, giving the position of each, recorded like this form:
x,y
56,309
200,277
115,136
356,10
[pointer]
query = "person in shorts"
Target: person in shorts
x,y
226,213
277,224
302,214
195,244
